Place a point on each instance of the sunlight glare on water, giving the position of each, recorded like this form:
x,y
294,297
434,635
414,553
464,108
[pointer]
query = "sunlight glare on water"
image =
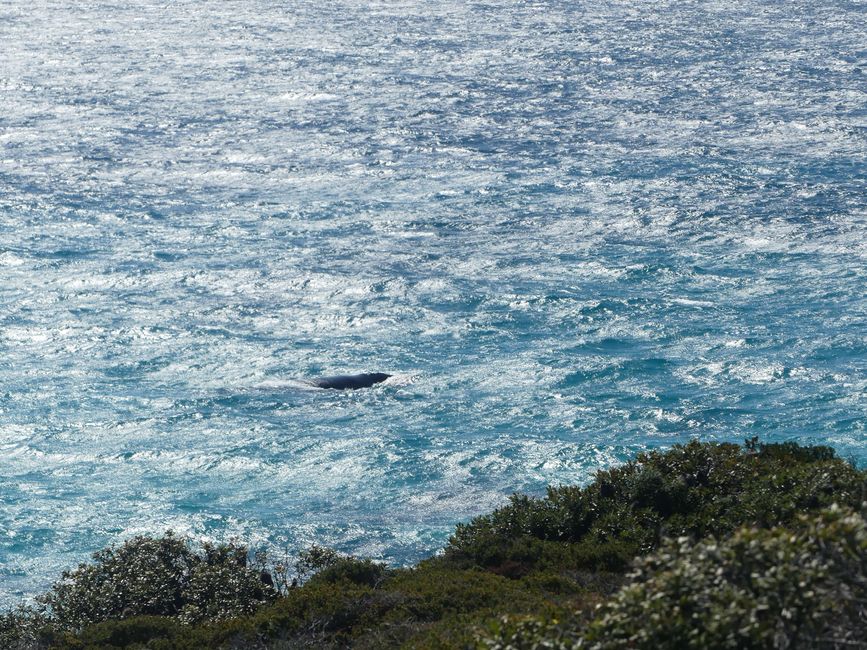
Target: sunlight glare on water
x,y
571,230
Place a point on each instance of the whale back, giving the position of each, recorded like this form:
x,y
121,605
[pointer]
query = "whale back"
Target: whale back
x,y
350,382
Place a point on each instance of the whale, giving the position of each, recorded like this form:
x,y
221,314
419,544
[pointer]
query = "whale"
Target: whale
x,y
349,382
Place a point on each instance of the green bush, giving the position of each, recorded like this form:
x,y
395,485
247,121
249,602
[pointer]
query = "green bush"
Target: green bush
x,y
23,628
351,569
144,576
140,630
537,560
157,577
760,589
693,490
530,633
221,591
314,559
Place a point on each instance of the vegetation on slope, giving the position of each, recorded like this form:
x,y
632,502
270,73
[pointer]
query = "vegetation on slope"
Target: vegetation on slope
x,y
746,571
690,490
759,588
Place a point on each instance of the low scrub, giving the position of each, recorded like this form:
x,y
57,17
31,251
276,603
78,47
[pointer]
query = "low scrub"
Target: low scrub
x,y
692,490
537,561
787,588
159,577
144,577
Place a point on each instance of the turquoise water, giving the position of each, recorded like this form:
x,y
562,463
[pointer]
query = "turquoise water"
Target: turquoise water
x,y
571,230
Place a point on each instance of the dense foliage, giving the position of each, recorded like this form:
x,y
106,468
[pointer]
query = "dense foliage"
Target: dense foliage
x,y
545,563
690,490
771,588
159,577
146,577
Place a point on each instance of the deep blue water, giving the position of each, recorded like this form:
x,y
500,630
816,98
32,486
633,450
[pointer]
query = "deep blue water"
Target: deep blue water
x,y
572,230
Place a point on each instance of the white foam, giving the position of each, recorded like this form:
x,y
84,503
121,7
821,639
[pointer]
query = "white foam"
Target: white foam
x,y
202,215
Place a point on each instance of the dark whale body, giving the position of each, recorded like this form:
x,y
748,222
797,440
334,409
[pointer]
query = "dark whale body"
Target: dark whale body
x,y
344,382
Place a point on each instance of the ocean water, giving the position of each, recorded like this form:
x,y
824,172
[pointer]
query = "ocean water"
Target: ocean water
x,y
571,230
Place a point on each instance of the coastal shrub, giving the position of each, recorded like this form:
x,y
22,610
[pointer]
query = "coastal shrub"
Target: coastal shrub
x,y
537,561
141,631
760,589
799,587
314,559
530,633
312,614
157,577
144,576
693,490
224,587
430,606
351,569
23,628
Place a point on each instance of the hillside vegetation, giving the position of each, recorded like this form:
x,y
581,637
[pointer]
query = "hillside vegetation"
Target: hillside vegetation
x,y
704,545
